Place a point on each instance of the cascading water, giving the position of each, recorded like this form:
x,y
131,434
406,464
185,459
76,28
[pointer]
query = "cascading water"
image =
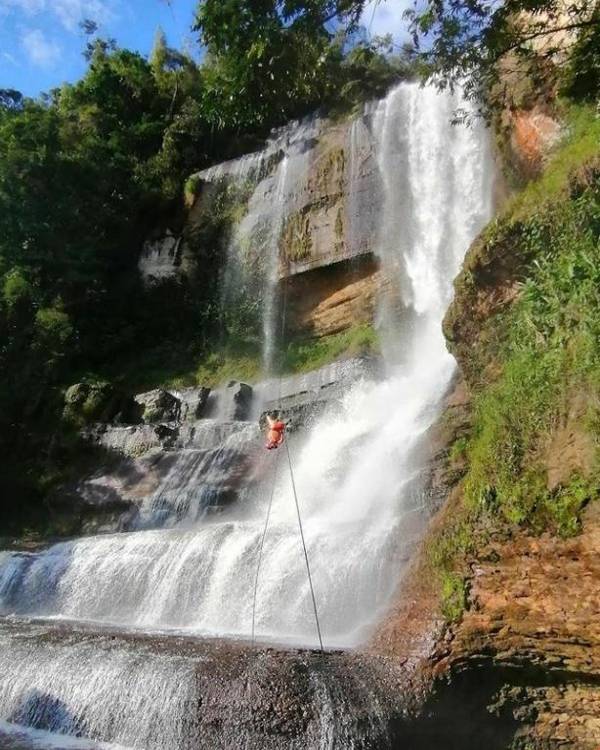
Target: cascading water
x,y
258,233
358,472
82,676
361,223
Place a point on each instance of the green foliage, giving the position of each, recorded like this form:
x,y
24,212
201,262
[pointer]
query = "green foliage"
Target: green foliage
x,y
88,402
190,189
267,61
15,288
458,450
455,540
310,354
550,353
491,48
453,596
581,77
446,552
274,61
239,359
53,331
229,364
81,182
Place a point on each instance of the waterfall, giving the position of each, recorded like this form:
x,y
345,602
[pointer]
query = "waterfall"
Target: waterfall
x,y
202,476
272,256
358,226
253,252
358,471
437,194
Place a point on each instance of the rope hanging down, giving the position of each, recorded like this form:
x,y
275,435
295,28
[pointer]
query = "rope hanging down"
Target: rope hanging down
x,y
262,544
312,591
270,505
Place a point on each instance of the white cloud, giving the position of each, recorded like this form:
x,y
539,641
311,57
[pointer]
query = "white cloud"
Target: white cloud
x,y
382,17
30,7
9,58
71,12
41,51
68,12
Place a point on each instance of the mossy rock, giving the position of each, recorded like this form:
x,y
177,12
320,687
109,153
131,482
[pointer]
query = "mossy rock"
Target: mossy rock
x,y
296,237
86,403
158,405
330,174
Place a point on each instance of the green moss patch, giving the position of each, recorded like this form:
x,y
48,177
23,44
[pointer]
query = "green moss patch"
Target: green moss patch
x,y
310,354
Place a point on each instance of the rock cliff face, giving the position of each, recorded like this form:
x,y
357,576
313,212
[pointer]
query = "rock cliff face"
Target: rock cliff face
x,y
330,185
521,668
310,202
532,135
534,612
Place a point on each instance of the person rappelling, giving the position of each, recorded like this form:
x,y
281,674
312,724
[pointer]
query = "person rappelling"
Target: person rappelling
x,y
275,432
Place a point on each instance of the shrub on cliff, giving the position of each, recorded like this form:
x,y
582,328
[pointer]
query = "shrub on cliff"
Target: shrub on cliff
x,y
86,403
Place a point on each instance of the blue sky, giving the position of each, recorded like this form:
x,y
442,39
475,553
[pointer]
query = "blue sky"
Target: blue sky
x,y
41,43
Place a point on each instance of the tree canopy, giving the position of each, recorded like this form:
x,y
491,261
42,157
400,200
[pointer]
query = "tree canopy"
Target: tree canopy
x,y
487,46
271,60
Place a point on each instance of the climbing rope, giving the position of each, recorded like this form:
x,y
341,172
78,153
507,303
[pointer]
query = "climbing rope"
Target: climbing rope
x,y
262,544
312,591
270,505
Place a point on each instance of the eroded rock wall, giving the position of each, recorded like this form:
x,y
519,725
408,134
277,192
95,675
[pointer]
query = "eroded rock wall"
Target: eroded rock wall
x,y
308,206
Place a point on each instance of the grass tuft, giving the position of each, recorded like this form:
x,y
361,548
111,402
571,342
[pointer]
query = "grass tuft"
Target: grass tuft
x,y
304,355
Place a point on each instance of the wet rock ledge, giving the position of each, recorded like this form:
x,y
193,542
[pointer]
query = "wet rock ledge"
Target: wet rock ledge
x,y
534,617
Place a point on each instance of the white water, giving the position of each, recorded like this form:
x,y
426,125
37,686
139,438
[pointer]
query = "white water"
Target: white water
x,y
18,737
202,475
359,150
69,687
357,473
253,251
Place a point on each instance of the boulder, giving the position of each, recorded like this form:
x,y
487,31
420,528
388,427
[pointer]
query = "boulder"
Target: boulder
x,y
193,402
132,441
158,406
235,402
91,402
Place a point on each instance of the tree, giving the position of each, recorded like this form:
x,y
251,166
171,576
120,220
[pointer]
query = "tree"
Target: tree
x,y
270,60
88,26
230,25
480,43
159,54
10,99
581,79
